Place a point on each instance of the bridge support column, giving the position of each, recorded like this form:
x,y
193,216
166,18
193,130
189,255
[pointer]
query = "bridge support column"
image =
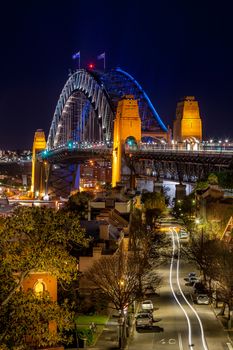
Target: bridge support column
x,y
39,144
180,191
76,182
127,126
188,124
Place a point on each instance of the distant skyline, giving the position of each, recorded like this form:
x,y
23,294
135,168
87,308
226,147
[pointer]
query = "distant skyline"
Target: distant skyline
x,y
172,48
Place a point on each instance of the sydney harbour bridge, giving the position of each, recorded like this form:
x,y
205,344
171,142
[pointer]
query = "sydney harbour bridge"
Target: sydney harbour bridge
x,y
91,122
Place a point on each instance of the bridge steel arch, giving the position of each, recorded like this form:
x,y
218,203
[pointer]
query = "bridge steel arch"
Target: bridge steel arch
x,y
84,82
103,91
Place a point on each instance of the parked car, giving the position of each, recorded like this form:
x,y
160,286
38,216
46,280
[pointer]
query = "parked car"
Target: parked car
x,y
193,279
144,319
149,291
202,299
183,234
147,305
191,274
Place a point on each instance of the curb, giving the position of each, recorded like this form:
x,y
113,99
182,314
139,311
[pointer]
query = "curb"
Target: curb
x,y
219,321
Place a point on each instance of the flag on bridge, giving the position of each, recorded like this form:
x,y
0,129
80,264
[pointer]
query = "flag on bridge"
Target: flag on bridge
x,y
102,57
75,56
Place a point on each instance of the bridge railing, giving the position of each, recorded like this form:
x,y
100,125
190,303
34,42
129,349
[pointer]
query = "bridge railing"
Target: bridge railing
x,y
164,148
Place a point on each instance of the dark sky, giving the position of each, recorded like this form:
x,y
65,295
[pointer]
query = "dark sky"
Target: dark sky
x,y
173,48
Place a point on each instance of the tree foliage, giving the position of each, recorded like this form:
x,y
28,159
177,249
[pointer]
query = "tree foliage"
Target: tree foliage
x,y
34,239
154,200
25,320
154,205
78,203
214,259
200,251
141,247
225,179
222,273
185,208
213,179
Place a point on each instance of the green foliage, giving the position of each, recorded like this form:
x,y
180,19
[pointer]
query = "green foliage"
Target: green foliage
x,y
212,179
78,203
27,317
85,334
225,179
40,239
154,205
35,239
153,200
201,185
185,208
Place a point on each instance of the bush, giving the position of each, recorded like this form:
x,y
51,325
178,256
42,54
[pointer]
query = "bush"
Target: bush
x,y
84,333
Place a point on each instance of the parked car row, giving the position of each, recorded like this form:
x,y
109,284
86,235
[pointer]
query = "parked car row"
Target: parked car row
x,y
200,295
144,317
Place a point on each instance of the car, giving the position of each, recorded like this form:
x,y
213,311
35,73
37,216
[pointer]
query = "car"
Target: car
x,y
193,279
183,234
149,291
191,274
202,299
147,305
144,319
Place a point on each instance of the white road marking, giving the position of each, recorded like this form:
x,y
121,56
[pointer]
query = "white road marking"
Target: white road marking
x,y
173,292
180,342
187,302
229,346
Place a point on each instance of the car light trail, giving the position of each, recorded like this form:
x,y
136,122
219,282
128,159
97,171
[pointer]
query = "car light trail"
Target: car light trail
x,y
174,294
173,231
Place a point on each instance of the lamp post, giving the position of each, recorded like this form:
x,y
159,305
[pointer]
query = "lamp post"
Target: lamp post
x,y
200,226
121,319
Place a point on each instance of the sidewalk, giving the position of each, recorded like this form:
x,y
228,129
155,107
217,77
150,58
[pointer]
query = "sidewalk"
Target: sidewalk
x,y
108,339
223,322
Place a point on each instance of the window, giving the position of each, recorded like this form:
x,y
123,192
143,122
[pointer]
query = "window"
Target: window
x,y
39,288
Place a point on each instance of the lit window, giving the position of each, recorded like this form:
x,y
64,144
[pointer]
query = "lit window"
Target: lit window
x,y
39,288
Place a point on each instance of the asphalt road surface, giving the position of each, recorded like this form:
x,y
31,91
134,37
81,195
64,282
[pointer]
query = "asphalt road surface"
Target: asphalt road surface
x,y
179,324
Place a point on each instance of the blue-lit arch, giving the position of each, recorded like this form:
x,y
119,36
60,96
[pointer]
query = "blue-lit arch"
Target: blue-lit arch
x,y
154,112
103,90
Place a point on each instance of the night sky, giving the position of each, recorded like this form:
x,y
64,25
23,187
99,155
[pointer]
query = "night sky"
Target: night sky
x,y
173,48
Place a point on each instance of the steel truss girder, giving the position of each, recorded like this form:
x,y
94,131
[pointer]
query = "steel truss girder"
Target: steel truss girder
x,y
84,82
180,167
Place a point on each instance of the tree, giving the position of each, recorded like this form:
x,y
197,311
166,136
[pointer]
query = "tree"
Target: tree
x,y
25,320
185,208
213,179
35,239
222,274
78,203
140,236
117,277
154,205
225,179
200,251
153,200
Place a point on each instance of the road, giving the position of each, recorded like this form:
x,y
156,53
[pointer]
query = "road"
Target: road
x,y
180,324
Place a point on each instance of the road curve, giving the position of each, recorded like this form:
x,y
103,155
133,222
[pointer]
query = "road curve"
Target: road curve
x,y
195,337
